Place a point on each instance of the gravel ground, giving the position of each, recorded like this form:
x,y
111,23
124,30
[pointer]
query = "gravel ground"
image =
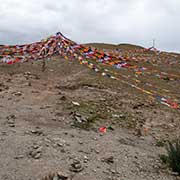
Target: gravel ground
x,y
49,122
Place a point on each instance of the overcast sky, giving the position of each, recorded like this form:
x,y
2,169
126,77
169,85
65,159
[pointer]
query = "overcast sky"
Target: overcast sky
x,y
110,21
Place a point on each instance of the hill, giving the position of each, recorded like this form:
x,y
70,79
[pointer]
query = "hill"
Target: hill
x,y
88,119
113,46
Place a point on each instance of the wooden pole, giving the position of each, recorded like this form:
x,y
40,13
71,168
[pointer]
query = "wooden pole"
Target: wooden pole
x,y
154,43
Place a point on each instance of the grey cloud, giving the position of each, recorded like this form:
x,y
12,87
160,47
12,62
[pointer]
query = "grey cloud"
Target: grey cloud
x,y
111,21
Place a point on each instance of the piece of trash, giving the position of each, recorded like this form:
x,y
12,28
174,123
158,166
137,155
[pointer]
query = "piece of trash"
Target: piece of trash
x,y
103,129
75,103
111,128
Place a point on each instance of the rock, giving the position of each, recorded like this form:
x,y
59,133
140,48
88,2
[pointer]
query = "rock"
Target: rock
x,y
27,73
37,132
97,151
62,176
63,98
4,133
17,93
115,116
56,176
109,160
59,142
29,84
12,116
19,156
139,132
11,120
76,166
36,152
37,155
79,119
121,116
86,159
63,150
9,80
11,125
3,87
81,142
35,91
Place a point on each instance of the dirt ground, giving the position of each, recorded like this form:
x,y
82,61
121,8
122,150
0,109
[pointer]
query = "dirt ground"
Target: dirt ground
x,y
49,122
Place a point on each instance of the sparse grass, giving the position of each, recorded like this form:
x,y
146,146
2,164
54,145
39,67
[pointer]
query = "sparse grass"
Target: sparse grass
x,y
172,159
90,112
97,112
160,142
90,121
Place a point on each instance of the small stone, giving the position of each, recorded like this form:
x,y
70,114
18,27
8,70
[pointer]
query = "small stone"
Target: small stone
x,y
60,144
36,152
113,171
78,119
11,120
18,93
63,98
12,116
37,132
56,176
76,166
63,151
62,176
109,160
97,151
35,91
11,125
27,73
19,157
115,116
4,133
86,159
37,156
80,142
